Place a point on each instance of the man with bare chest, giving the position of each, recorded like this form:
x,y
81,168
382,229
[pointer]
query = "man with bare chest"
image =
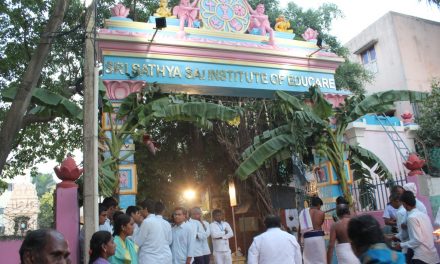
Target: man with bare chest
x,y
311,220
339,233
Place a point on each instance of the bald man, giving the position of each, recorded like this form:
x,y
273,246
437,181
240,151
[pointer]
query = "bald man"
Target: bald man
x,y
44,246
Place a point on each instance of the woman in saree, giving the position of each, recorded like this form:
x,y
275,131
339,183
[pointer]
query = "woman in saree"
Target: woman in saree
x,y
126,250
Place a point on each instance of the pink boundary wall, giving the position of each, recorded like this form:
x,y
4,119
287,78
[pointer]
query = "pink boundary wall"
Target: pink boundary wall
x,y
9,250
66,222
67,218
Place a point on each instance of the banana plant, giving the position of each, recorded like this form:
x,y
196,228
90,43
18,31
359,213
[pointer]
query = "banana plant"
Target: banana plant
x,y
139,110
308,119
48,103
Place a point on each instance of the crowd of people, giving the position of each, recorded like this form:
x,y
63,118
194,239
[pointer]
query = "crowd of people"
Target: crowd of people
x,y
356,239
144,235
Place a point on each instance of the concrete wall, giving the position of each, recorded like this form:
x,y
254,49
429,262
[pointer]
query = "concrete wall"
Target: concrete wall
x,y
374,139
407,52
390,75
419,43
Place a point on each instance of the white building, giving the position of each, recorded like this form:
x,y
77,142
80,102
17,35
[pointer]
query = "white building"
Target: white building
x,y
19,207
402,51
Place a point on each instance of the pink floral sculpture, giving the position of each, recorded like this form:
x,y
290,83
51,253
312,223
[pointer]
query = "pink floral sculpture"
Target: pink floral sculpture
x,y
414,164
120,10
310,34
407,118
239,10
68,172
185,12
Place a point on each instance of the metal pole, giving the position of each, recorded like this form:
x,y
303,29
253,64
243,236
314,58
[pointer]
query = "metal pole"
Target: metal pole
x,y
90,131
235,230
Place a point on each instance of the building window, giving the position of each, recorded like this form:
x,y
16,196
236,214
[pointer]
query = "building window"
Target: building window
x,y
368,58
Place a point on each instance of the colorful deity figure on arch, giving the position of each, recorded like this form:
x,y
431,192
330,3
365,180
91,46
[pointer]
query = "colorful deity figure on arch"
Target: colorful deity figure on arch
x,y
187,13
260,21
163,10
282,24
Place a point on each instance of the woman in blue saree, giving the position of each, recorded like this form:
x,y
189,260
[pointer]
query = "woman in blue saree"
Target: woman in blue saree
x,y
126,249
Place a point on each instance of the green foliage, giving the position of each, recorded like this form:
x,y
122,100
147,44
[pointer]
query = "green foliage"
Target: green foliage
x,y
48,103
140,110
43,182
366,197
319,19
304,122
429,120
189,157
362,159
272,8
383,101
20,28
46,215
428,134
61,79
351,76
433,2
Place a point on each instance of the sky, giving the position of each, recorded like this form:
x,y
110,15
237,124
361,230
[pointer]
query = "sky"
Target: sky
x,y
359,14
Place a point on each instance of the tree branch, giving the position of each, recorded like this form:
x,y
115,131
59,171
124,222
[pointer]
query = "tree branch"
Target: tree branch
x,y
32,119
14,118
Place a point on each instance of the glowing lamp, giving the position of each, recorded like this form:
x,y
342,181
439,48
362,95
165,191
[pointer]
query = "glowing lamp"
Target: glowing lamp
x,y
189,194
232,194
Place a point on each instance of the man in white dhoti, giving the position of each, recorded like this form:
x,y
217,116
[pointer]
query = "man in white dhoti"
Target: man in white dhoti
x,y
221,232
421,238
311,220
339,233
274,245
154,245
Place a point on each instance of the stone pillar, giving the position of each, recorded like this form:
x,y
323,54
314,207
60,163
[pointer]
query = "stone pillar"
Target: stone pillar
x,y
66,205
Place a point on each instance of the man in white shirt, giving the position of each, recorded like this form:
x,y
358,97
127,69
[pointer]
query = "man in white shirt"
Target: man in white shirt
x,y
401,217
420,231
159,209
135,213
153,245
274,245
112,206
410,186
183,238
390,212
221,232
202,232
